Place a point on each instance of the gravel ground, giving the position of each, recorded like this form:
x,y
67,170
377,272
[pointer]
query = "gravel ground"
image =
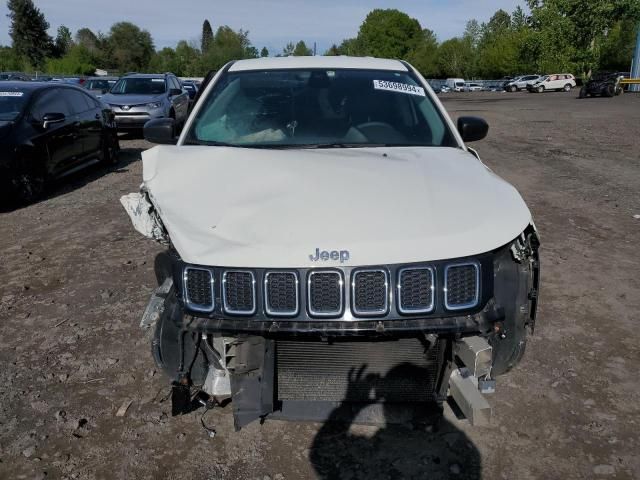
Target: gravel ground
x,y
76,279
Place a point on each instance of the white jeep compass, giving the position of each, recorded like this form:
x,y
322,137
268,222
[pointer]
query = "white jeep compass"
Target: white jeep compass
x,y
323,216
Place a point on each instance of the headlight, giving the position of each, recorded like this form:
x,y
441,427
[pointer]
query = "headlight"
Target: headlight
x,y
154,105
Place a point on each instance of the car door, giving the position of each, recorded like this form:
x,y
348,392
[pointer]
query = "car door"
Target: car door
x,y
89,121
59,141
181,102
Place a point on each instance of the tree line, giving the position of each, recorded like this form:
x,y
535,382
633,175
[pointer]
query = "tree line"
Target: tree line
x,y
576,36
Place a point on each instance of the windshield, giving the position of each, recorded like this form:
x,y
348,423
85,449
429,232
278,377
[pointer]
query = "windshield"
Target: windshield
x,y
319,108
12,102
99,84
139,86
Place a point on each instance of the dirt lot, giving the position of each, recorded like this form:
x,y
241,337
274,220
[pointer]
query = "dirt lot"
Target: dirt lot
x,y
76,279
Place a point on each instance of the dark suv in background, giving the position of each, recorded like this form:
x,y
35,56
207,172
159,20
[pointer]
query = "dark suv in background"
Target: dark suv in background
x,y
137,98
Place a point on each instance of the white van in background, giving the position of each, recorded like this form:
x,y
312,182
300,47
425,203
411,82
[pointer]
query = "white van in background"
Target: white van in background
x,y
456,84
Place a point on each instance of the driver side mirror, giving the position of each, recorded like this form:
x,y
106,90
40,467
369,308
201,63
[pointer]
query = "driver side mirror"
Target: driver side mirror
x,y
472,128
161,131
52,118
174,91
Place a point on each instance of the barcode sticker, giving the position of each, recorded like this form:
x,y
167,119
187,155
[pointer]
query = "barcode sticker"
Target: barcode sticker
x,y
398,87
11,94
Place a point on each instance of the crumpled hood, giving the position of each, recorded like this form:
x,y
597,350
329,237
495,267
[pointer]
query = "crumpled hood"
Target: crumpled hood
x,y
112,99
239,207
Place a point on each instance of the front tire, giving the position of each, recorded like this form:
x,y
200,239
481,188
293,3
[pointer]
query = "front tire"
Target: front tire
x,y
583,93
567,87
514,88
110,150
29,186
540,89
609,91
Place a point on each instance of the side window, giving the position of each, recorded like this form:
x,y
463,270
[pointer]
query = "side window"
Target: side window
x,y
78,100
50,102
175,83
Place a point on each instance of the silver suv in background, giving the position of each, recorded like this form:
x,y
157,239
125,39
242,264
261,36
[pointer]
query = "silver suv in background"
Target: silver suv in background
x,y
137,98
520,83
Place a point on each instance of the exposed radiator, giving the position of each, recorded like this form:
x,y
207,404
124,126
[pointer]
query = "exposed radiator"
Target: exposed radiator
x,y
403,370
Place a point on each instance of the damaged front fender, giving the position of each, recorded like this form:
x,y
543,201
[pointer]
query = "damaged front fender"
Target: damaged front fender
x,y
144,217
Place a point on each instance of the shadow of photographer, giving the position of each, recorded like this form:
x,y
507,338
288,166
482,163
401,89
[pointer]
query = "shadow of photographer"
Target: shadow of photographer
x,y
425,446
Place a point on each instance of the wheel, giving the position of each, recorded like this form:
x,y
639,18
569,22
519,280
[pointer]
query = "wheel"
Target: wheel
x,y
567,87
514,88
540,89
619,90
110,150
583,92
29,186
609,90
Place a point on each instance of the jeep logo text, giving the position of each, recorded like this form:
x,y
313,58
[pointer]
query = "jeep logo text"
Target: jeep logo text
x,y
324,255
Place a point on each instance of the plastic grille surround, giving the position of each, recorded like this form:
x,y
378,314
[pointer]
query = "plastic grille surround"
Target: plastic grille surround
x,y
461,286
239,292
416,290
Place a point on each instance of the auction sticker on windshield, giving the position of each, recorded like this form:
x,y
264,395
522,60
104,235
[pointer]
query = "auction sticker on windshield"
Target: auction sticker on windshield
x,y
398,87
11,94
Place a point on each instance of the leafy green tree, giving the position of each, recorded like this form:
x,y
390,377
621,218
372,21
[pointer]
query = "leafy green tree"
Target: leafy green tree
x,y
519,18
264,52
333,51
617,48
473,32
77,61
227,45
28,31
424,56
455,57
288,49
352,47
389,34
63,41
128,48
87,39
207,36
301,50
582,26
10,60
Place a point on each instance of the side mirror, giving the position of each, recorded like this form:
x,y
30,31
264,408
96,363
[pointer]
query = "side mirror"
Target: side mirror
x,y
472,128
161,130
51,118
174,91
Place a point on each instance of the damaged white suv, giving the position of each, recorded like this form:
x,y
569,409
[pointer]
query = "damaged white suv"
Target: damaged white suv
x,y
323,216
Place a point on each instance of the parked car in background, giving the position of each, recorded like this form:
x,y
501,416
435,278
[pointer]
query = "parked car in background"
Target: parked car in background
x,y
99,85
472,87
49,130
14,76
138,98
520,83
456,84
556,82
444,89
603,84
192,89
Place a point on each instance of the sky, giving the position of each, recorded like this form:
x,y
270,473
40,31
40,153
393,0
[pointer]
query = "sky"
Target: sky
x,y
271,23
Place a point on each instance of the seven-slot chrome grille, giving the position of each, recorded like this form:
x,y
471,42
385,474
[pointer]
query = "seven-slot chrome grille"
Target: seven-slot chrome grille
x,y
384,292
